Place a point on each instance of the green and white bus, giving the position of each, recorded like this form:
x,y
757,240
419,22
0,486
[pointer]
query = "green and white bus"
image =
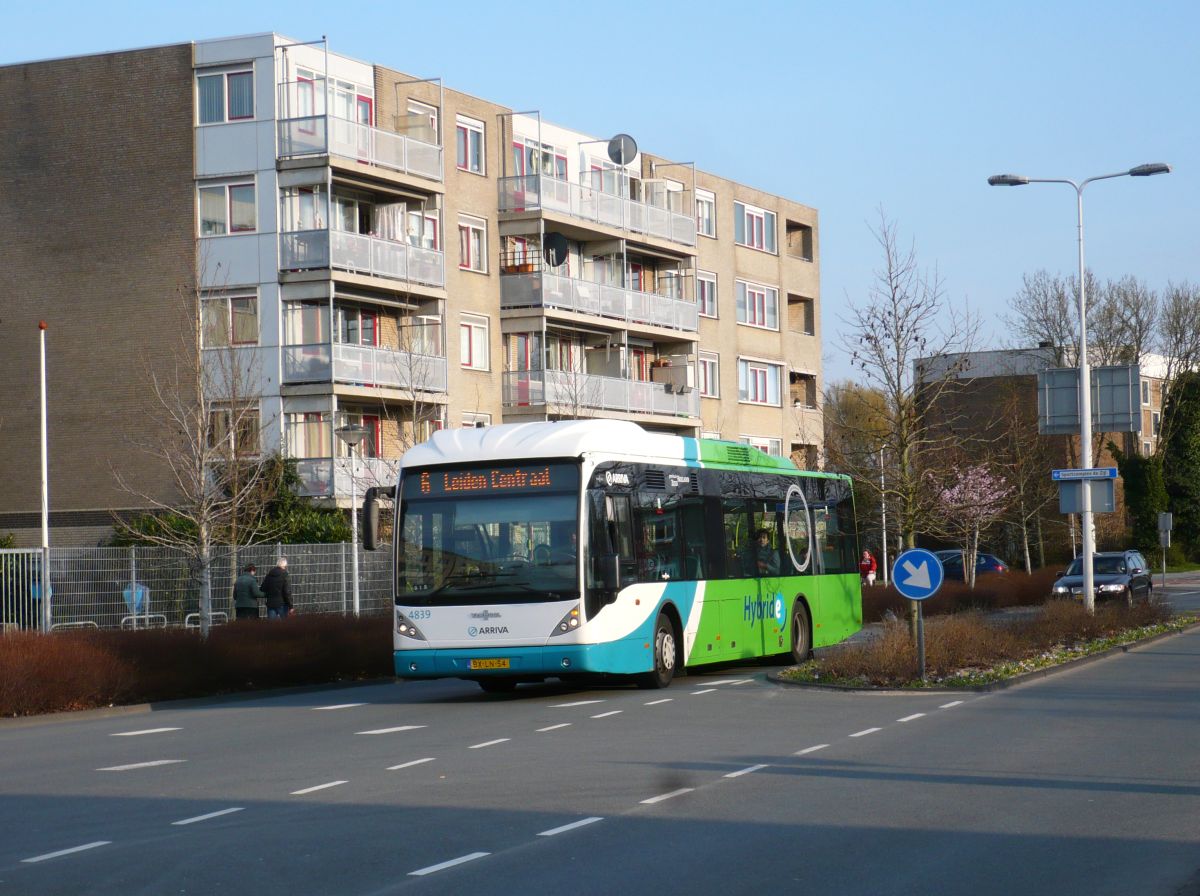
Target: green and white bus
x,y
573,548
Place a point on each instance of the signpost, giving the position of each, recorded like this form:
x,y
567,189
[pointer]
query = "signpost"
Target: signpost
x,y
1165,520
918,574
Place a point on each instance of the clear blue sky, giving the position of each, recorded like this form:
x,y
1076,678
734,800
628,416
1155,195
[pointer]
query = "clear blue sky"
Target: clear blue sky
x,y
847,107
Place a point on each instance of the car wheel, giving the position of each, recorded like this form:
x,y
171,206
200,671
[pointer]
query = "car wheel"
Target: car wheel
x,y
666,656
1129,596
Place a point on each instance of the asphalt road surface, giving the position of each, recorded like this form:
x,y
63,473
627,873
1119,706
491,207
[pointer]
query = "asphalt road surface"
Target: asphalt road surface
x,y
1086,781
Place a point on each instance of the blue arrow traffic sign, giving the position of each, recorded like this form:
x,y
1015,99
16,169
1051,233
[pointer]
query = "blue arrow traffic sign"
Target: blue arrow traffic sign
x,y
918,574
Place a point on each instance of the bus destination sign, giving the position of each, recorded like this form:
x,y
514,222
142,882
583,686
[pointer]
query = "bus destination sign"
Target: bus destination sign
x,y
492,480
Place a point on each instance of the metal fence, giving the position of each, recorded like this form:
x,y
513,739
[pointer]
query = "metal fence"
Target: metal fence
x,y
154,587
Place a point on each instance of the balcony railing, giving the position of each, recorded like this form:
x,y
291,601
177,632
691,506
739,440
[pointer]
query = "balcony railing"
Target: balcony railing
x,y
324,362
319,135
302,250
329,477
568,393
546,290
536,192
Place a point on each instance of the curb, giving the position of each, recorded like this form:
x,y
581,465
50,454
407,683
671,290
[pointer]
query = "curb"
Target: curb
x,y
1002,685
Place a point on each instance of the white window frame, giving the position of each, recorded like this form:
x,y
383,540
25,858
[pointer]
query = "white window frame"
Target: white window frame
x,y
708,374
709,199
227,202
745,216
475,353
467,126
224,74
710,434
227,301
1155,423
710,278
472,226
1145,393
471,419
1147,448
766,444
754,382
751,313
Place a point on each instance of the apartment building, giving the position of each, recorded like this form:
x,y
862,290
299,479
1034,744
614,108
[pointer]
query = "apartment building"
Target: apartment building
x,y
368,247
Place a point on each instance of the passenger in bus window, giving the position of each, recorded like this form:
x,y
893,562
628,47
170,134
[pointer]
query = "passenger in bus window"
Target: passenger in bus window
x,y
766,558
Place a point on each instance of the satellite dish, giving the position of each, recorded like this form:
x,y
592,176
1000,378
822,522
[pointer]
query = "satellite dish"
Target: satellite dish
x,y
554,249
622,148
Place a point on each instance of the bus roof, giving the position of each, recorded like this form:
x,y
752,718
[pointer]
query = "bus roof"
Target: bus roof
x,y
576,438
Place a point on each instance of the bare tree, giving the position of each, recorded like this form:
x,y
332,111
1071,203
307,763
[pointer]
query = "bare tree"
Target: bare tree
x,y
1045,312
1025,457
205,432
1122,321
1178,341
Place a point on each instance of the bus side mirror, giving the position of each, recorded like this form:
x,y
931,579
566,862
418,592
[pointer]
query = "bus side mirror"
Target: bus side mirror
x,y
370,514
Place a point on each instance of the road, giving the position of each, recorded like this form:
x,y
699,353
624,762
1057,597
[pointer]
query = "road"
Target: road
x,y
1087,781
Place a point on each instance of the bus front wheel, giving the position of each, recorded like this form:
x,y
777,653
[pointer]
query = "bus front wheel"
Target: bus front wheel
x,y
801,637
665,655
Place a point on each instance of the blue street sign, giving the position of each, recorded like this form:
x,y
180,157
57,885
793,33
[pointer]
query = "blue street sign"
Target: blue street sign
x,y
1093,473
918,574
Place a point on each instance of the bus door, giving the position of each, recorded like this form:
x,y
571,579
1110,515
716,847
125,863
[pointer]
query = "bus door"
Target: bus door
x,y
768,551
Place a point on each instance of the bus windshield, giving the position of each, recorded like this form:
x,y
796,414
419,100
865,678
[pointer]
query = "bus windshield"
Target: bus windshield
x,y
486,535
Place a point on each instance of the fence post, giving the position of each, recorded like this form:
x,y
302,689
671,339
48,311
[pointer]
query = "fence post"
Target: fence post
x,y
342,577
133,586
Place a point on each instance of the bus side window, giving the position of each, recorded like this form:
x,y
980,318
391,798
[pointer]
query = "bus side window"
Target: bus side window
x,y
737,537
621,535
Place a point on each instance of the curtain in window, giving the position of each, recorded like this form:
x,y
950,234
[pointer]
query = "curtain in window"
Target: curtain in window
x,y
241,95
212,211
773,309
213,323
210,97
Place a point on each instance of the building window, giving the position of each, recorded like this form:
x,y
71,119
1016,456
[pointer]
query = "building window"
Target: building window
x,y
476,420
472,244
757,305
802,315
370,445
1147,448
706,293
774,447
710,434
356,326
423,230
234,429
707,374
799,240
227,208
229,320
225,96
1146,393
1155,423
470,145
473,332
706,213
758,382
753,227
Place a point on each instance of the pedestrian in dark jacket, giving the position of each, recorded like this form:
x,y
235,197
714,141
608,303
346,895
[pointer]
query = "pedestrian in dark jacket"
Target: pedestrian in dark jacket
x,y
247,594
278,592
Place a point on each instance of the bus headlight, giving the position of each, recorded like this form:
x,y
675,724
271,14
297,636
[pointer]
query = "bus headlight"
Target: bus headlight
x,y
405,627
568,623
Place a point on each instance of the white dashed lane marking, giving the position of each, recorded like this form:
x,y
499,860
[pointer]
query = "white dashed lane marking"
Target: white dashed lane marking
x,y
66,852
915,715
144,731
450,864
745,771
555,727
865,732
576,703
339,706
663,700
393,768
950,704
392,730
611,712
208,816
490,743
705,691
570,827
133,765
810,749
667,796
318,787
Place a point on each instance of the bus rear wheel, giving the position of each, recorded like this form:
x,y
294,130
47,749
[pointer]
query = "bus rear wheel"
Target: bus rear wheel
x,y
498,685
666,656
801,637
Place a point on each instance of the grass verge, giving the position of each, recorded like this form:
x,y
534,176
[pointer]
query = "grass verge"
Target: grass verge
x,y
971,649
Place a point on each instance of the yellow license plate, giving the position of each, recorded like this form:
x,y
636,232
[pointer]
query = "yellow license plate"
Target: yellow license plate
x,y
490,664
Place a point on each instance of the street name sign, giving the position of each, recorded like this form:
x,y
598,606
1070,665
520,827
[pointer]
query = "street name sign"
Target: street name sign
x,y
1092,473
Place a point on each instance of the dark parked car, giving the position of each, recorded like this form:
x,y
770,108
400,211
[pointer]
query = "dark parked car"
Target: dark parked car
x,y
1123,575
952,564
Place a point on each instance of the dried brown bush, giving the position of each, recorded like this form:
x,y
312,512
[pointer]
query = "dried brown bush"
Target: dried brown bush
x,y
994,591
77,670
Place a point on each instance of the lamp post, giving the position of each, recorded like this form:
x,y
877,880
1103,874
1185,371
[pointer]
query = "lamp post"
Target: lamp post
x,y
883,515
1085,376
352,434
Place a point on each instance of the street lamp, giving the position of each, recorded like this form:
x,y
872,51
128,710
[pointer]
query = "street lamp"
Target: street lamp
x,y
1085,376
883,514
352,434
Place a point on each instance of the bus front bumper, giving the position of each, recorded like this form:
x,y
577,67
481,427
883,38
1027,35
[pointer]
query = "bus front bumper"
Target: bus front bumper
x,y
618,658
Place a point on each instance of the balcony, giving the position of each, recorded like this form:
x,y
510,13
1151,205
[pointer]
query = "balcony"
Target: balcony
x,y
364,366
322,135
536,192
546,290
355,253
568,393
329,477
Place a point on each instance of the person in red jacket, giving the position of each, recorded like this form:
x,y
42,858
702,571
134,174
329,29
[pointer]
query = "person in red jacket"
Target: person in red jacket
x,y
867,568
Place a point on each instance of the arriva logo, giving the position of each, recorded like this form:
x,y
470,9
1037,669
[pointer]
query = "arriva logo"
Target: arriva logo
x,y
612,478
757,609
487,630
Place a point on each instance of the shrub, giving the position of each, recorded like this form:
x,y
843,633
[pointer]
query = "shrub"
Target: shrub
x,y
991,592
